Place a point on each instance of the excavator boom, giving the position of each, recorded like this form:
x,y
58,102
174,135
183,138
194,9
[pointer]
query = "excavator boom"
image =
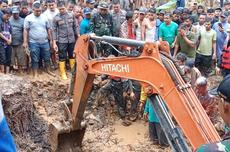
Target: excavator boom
x,y
151,68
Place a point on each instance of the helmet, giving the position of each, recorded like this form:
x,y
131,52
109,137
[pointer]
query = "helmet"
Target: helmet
x,y
103,5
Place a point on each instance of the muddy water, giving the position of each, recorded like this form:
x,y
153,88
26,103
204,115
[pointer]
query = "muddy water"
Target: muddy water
x,y
132,134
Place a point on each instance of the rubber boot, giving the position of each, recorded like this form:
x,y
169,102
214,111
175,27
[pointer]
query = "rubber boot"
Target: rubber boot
x,y
62,70
71,63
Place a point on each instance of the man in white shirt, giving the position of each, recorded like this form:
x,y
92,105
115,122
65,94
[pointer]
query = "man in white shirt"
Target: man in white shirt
x,y
50,13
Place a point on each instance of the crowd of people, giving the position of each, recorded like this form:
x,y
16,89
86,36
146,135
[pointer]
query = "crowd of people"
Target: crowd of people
x,y
42,35
31,36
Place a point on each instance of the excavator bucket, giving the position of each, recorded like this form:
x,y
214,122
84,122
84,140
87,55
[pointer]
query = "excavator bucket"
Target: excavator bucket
x,y
67,136
65,140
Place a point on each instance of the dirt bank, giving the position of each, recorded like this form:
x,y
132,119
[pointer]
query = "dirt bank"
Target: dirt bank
x,y
32,105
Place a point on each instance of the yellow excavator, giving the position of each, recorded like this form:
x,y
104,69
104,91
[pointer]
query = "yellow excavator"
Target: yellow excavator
x,y
154,69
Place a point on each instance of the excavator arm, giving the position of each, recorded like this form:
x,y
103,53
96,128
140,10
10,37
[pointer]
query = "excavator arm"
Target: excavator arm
x,y
154,69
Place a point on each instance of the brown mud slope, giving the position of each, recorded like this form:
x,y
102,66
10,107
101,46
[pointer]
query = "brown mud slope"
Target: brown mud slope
x,y
31,106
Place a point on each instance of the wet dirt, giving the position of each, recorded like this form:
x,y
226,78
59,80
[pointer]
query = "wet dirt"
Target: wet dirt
x,y
32,105
106,134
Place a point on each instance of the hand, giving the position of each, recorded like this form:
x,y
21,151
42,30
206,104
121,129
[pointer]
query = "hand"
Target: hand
x,y
8,42
214,56
51,44
221,29
25,45
145,116
174,56
92,34
182,33
141,105
55,47
132,96
217,69
173,45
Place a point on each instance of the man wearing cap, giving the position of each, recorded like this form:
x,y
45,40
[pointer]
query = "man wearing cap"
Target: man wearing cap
x,y
18,54
37,35
102,24
224,109
139,22
65,35
85,23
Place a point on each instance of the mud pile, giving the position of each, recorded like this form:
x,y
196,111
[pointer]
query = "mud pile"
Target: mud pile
x,y
105,133
29,108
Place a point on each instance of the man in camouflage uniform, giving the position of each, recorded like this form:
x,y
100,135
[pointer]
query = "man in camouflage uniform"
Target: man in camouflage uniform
x,y
224,108
102,24
64,35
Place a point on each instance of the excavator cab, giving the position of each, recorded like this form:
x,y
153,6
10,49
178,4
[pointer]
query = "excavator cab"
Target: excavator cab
x,y
155,69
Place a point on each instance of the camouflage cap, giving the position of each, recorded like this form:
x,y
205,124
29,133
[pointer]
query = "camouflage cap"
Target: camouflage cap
x,y
143,10
103,5
15,9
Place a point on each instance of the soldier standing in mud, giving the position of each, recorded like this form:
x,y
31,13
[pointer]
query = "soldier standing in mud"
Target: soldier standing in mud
x,y
102,24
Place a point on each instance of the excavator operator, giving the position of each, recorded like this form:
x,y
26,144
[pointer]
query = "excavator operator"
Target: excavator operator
x,y
224,107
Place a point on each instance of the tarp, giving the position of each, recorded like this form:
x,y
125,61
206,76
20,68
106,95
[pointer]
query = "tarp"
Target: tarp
x,y
168,6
